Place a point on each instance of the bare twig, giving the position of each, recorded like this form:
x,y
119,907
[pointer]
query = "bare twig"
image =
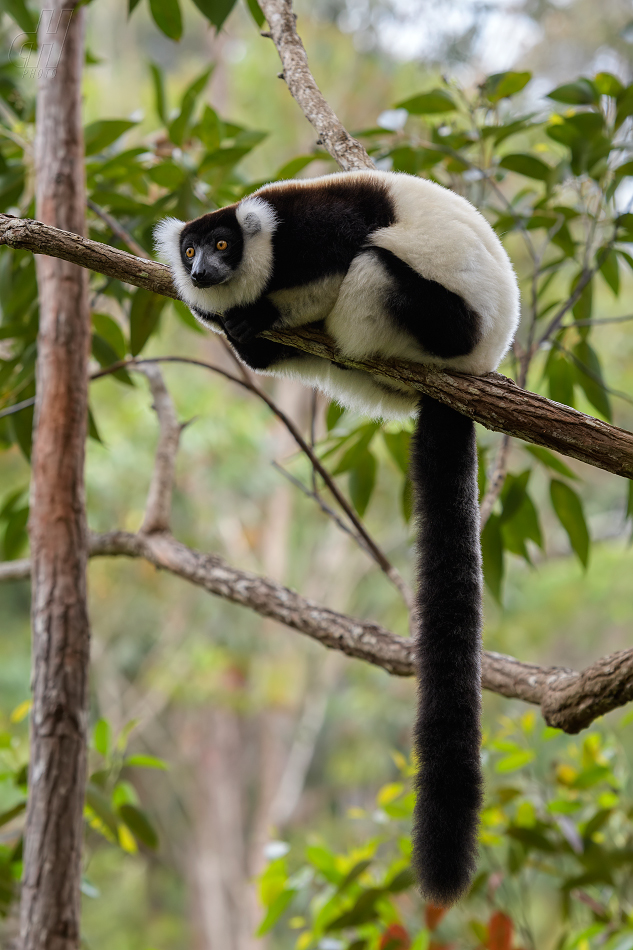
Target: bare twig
x,y
117,229
495,482
379,557
158,507
344,149
569,700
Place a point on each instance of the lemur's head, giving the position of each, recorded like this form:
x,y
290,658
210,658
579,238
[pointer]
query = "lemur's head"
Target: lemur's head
x,y
222,259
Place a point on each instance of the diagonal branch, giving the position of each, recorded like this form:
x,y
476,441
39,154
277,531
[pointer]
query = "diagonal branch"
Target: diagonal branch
x,y
569,700
345,150
492,400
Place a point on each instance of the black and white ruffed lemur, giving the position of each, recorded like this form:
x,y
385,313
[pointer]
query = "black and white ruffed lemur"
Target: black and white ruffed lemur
x,y
391,266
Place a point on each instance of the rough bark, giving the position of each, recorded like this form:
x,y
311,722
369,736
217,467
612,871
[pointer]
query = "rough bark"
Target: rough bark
x,y
50,909
345,150
492,400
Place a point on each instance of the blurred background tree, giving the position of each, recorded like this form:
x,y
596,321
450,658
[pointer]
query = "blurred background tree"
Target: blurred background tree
x,y
221,739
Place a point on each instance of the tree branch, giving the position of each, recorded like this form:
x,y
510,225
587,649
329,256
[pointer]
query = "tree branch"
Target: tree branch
x,y
569,700
492,400
158,507
345,150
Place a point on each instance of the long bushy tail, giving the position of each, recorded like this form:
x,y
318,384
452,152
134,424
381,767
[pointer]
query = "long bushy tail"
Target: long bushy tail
x,y
447,732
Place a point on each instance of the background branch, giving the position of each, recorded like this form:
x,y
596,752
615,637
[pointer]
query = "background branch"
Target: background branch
x,y
569,700
158,507
345,150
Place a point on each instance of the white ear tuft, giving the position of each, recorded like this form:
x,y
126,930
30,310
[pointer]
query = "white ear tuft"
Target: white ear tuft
x,y
255,215
167,240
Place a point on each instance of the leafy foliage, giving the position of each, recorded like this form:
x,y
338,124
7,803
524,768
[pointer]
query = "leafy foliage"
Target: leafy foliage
x,y
556,828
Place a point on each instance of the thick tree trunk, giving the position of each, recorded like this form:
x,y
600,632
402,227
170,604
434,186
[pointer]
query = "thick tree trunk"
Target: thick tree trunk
x,y
50,911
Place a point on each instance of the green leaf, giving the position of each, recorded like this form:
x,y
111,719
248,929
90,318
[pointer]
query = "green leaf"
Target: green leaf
x,y
179,126
362,481
527,165
100,805
333,414
292,168
398,444
550,460
515,761
256,12
362,912
18,11
492,555
531,838
325,862
591,380
568,508
352,875
583,307
15,535
406,500
561,377
146,762
159,92
402,881
185,316
12,813
610,269
624,106
106,356
500,85
167,17
111,332
216,11
428,103
102,737
22,423
581,92
607,84
353,454
275,911
98,135
139,824
144,314
93,431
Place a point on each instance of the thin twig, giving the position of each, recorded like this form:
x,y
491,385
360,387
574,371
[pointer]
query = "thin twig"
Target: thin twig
x,y
118,229
495,482
379,557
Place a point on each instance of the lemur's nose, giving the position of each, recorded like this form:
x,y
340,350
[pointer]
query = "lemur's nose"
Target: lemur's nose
x,y
199,278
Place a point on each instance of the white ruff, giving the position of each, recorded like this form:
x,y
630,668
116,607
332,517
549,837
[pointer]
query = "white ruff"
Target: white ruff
x,y
258,222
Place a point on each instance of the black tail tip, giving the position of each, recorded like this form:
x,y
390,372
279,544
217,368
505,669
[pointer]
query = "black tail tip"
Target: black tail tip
x,y
445,854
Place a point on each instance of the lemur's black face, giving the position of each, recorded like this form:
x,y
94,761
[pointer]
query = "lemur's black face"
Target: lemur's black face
x,y
211,248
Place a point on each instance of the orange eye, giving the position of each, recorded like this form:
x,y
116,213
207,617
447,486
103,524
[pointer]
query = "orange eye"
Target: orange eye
x,y
190,252
221,245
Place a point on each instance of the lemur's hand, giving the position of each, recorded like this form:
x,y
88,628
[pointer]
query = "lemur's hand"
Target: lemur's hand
x,y
244,323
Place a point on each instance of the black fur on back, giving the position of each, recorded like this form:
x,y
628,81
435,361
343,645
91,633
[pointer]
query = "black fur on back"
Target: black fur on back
x,y
447,734
322,228
440,320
